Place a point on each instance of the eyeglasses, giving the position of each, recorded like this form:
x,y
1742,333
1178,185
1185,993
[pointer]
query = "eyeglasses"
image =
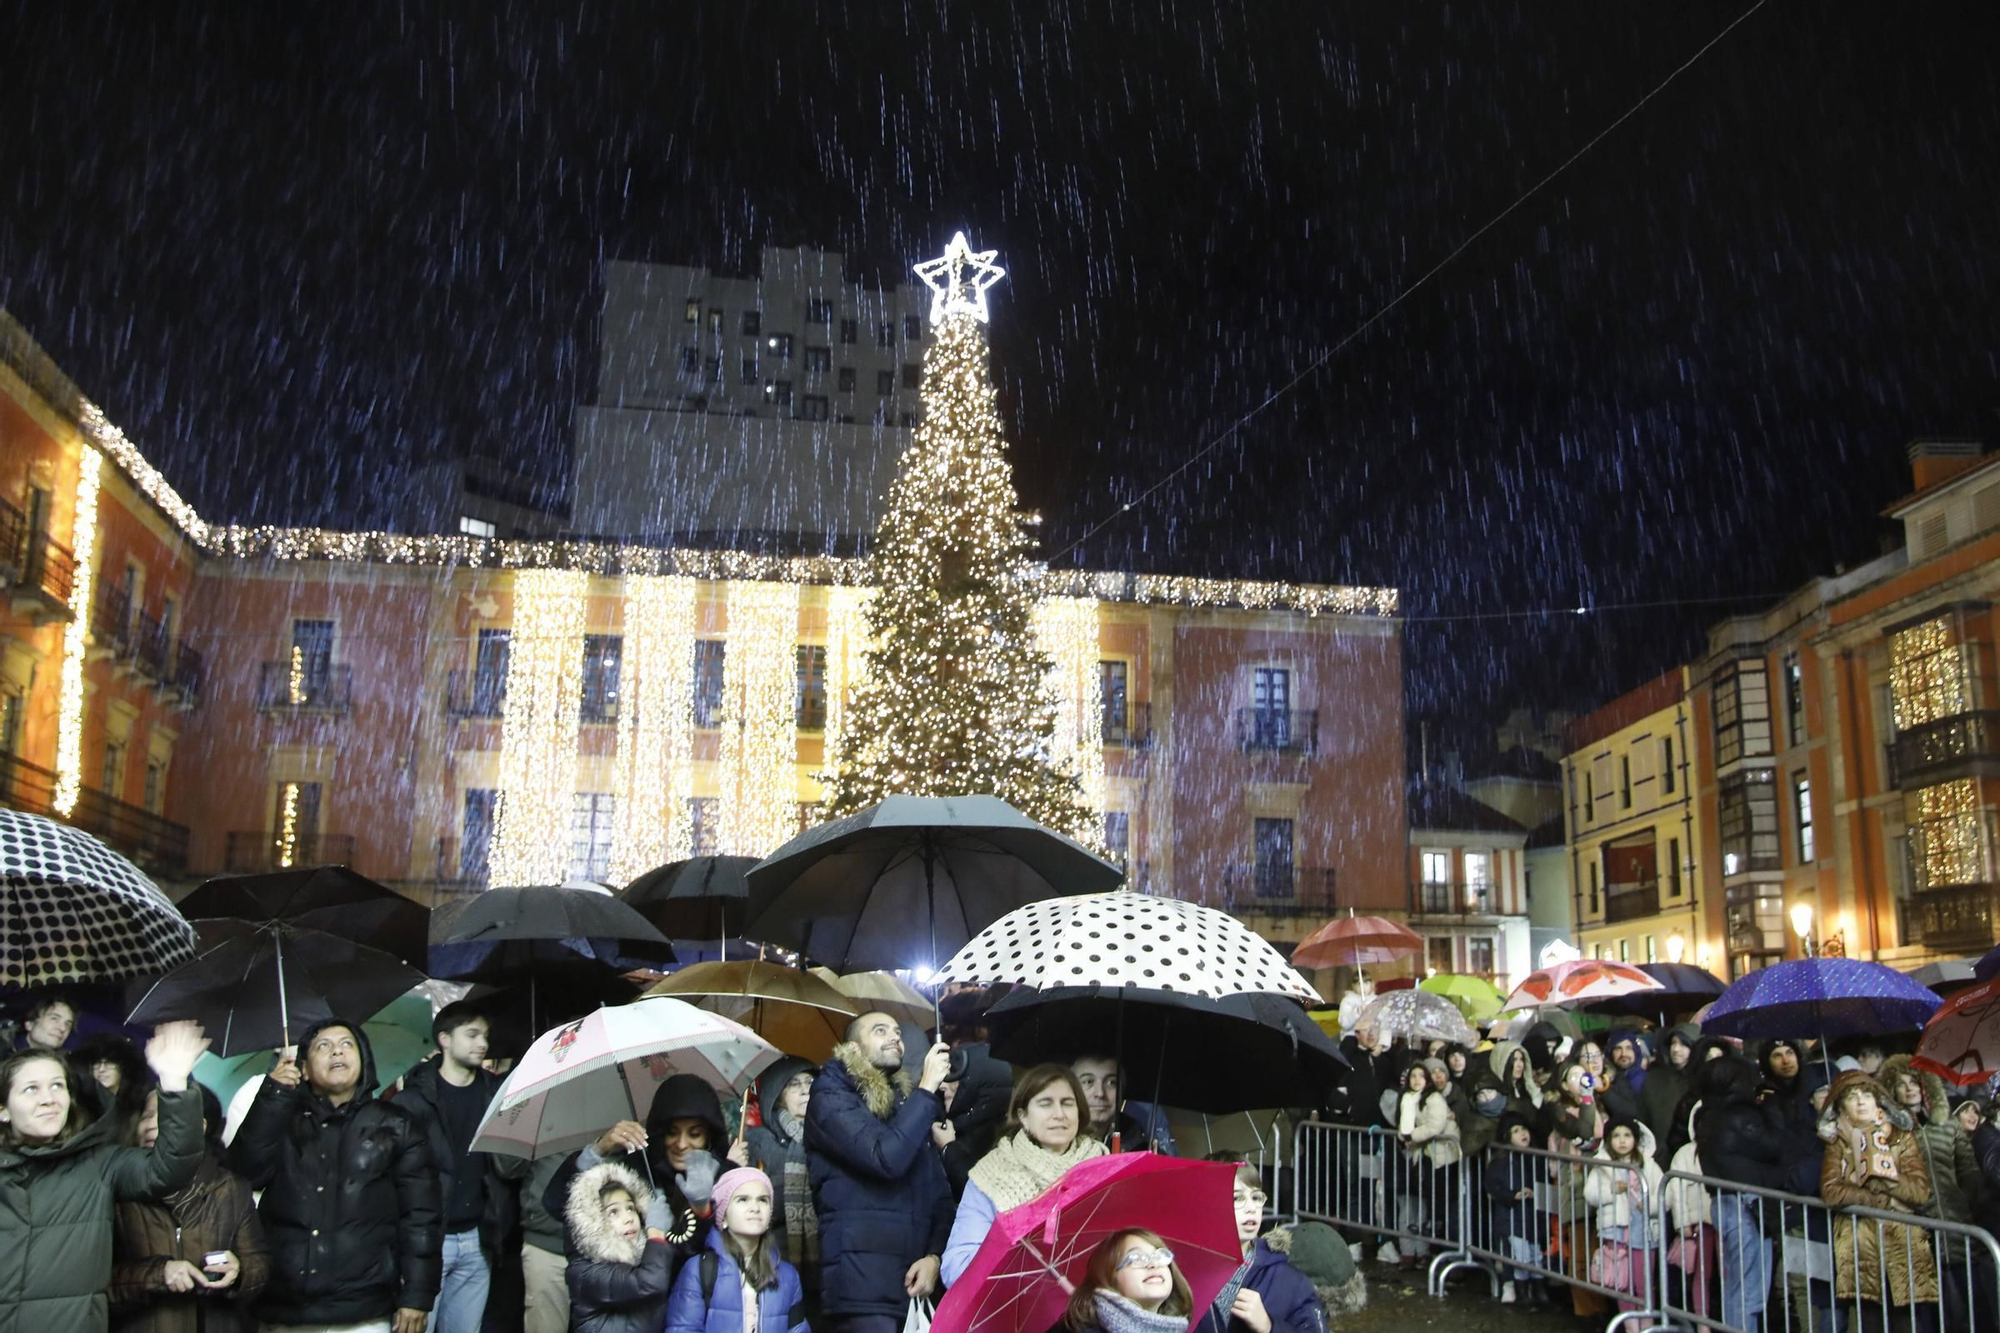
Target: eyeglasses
x,y
1145,1259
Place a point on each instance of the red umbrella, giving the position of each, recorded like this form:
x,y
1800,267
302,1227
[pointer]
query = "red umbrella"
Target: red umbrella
x,y
1961,1042
1035,1255
1579,980
1357,941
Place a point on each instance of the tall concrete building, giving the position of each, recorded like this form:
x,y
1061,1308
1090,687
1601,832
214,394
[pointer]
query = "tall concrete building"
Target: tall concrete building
x,y
764,411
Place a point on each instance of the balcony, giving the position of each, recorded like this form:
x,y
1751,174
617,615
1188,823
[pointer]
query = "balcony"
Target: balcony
x,y
1629,902
253,852
1281,731
1137,734
13,529
110,623
1957,918
152,650
1965,745
151,841
1438,898
1276,889
183,679
476,694
322,687
46,579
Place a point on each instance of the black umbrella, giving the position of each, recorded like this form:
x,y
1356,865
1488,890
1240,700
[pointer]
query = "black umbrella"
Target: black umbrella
x,y
330,898
1237,1053
910,879
557,994
250,984
703,897
538,934
1686,987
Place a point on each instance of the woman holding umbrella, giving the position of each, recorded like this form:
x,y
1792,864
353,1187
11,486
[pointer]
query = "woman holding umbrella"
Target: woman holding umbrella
x,y
1043,1138
61,1173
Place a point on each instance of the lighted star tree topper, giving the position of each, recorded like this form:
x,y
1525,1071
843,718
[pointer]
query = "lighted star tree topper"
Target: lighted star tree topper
x,y
955,698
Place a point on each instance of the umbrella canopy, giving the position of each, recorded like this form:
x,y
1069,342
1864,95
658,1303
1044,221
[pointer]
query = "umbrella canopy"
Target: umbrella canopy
x,y
252,986
794,1011
1683,986
703,897
1127,939
521,1011
510,934
1020,1280
1238,1053
1988,966
579,1078
1961,1042
1417,1016
1948,977
1476,997
882,993
1357,941
911,879
333,899
398,1037
74,911
1828,997
1582,980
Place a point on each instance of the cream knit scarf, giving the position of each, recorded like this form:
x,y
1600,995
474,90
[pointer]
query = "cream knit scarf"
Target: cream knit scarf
x,y
1019,1169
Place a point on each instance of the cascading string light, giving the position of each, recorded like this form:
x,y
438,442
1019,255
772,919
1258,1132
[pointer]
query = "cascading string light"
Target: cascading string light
x,y
69,715
758,772
288,827
1066,629
655,728
846,662
538,728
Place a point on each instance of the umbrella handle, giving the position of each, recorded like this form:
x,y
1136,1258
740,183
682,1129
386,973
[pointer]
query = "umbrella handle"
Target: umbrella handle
x,y
1068,1287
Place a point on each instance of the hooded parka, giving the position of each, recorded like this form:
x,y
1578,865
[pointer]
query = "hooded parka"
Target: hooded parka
x,y
56,1206
351,1202
617,1284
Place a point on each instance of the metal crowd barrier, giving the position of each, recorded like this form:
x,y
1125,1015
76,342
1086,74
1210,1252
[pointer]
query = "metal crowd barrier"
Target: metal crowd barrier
x,y
1697,1252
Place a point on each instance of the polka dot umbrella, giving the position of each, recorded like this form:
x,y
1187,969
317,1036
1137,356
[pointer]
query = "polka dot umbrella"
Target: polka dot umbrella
x,y
74,911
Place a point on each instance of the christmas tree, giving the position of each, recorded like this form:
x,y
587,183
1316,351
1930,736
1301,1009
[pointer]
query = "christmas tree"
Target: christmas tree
x,y
955,698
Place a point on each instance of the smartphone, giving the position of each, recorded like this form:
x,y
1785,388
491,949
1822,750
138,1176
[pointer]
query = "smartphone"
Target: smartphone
x,y
214,1259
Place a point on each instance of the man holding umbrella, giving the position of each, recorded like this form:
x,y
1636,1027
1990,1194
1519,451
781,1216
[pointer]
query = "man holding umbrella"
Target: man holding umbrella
x,y
351,1199
885,1206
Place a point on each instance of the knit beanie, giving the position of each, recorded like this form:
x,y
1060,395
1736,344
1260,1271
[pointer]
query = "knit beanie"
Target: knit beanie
x,y
731,1183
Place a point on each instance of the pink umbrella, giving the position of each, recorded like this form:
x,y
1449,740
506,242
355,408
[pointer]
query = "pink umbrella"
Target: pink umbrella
x,y
1579,980
1022,1278
1357,941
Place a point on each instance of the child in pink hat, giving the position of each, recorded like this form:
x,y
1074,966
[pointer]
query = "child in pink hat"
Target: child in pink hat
x,y
740,1283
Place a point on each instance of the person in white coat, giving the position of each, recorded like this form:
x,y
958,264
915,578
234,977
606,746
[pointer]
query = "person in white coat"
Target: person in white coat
x,y
1622,1188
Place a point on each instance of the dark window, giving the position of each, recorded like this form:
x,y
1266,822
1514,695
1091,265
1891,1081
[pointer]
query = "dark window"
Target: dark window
x,y
1593,886
705,824
601,654
1118,836
1273,868
590,830
913,328
1795,701
1589,797
819,312
715,370
715,321
819,360
708,659
753,323
1439,955
1624,782
885,335
1479,956
489,671
111,777
1742,712
1673,867
1111,684
476,835
809,705
885,382
750,370
813,407
780,392
1747,822
908,421
1802,816
847,379
1271,708
156,776
690,360
693,315
312,660
913,377
1667,775
847,330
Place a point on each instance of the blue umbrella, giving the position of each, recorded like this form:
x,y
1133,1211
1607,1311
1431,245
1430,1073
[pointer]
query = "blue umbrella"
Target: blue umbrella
x,y
1833,997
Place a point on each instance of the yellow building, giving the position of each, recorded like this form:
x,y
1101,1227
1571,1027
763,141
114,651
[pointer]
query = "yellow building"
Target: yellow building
x,y
1635,829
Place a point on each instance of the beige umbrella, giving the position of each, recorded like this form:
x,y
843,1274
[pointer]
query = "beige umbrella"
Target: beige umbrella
x,y
798,1013
883,993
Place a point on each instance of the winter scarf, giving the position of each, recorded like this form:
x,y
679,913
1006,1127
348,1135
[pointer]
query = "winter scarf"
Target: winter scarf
x,y
1225,1300
800,1217
1872,1153
1115,1314
1019,1169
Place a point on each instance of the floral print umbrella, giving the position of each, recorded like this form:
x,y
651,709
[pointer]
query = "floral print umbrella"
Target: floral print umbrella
x,y
1578,981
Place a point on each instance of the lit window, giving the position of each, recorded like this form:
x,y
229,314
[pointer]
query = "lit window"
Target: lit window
x,y
694,310
477,527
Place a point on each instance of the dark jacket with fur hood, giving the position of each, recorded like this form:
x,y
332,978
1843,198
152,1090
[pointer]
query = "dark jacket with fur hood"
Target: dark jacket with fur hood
x,y
1956,1180
884,1202
681,1097
616,1285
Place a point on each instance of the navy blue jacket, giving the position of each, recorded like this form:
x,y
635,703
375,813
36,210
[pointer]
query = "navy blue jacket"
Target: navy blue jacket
x,y
883,1199
1507,1173
1288,1296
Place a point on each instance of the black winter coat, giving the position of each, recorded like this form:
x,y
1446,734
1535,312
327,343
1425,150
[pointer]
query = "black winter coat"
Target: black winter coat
x,y
351,1203
1742,1142
615,1286
884,1202
1507,1173
502,1216
976,1112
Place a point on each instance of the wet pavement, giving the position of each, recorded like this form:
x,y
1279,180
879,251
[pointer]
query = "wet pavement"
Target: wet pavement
x,y
1396,1301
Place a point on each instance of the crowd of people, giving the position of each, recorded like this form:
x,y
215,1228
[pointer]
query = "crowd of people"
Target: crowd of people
x,y
1565,1146
131,1199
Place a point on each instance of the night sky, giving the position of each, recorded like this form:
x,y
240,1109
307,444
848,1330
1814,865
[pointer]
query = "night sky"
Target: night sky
x,y
291,251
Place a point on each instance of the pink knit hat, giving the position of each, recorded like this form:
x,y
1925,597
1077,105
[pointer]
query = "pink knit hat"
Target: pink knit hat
x,y
730,1182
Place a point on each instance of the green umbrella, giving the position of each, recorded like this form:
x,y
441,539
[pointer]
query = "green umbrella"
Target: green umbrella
x,y
1477,998
399,1036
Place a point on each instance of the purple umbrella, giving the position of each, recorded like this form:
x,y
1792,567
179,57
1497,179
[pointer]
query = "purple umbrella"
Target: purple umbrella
x,y
1833,997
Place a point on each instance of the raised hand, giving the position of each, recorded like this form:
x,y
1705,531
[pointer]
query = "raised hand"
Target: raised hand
x,y
172,1052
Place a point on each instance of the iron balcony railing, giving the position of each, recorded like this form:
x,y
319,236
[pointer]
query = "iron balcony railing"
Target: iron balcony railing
x,y
1450,898
47,569
1286,731
1948,747
111,619
253,851
314,687
1277,888
151,647
156,843
184,677
1629,902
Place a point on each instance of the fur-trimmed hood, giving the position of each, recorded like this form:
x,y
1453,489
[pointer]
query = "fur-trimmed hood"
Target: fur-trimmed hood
x,y
1847,1082
588,1225
880,1092
1937,1102
1340,1284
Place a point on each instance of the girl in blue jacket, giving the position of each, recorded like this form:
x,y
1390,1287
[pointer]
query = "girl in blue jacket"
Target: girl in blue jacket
x,y
740,1283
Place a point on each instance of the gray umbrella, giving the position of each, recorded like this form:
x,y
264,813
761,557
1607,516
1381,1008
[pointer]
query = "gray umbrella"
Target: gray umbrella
x,y
909,880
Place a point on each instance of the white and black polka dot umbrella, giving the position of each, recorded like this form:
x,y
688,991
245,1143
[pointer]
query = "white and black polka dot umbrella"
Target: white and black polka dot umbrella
x,y
1127,939
74,911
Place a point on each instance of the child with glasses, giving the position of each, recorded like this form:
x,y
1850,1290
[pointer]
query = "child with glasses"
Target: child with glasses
x,y
1131,1286
1266,1294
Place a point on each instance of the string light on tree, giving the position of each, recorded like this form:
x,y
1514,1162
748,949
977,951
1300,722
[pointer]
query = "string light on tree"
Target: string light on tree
x,y
956,699
69,716
538,728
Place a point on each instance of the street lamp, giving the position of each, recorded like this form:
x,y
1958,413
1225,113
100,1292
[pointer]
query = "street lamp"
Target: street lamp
x,y
1676,947
1802,919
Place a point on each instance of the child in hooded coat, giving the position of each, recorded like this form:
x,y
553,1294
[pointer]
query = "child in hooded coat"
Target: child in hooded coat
x,y
1623,1190
621,1265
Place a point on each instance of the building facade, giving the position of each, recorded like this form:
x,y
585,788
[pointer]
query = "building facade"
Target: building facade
x,y
1468,887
